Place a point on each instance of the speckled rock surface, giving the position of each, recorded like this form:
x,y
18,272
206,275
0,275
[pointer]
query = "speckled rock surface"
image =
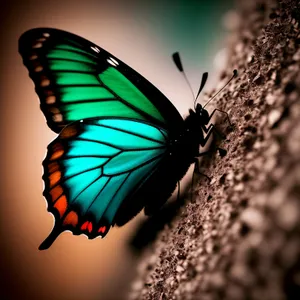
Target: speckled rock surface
x,y
240,236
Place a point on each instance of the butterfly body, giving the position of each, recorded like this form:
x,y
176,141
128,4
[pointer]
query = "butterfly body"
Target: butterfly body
x,y
122,145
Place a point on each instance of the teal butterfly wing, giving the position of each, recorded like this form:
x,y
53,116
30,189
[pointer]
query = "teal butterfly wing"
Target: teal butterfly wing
x,y
85,92
93,166
76,79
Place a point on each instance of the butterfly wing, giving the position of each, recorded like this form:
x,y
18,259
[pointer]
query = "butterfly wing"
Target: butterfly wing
x,y
93,166
76,79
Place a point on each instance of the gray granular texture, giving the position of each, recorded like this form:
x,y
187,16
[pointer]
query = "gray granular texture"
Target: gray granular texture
x,y
240,236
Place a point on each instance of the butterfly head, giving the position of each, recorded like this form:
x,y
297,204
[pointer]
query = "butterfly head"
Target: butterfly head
x,y
202,114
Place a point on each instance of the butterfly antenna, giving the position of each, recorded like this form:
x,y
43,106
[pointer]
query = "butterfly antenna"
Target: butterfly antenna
x,y
203,81
177,61
235,73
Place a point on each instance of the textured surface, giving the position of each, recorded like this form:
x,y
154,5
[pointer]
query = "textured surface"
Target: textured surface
x,y
239,238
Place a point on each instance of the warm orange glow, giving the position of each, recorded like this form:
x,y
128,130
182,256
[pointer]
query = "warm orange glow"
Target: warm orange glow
x,y
54,178
56,192
71,219
61,205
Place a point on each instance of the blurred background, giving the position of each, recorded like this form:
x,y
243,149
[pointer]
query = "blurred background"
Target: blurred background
x,y
143,34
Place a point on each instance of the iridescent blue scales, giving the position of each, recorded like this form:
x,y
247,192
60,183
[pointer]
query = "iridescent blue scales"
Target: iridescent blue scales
x,y
94,165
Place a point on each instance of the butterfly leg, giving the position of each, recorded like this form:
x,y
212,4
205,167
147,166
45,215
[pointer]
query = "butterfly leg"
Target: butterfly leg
x,y
209,130
221,111
222,152
197,168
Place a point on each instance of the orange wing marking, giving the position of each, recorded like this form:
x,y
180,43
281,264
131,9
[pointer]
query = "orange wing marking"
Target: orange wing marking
x,y
61,205
71,219
54,178
69,131
102,229
52,167
57,154
56,192
58,151
87,226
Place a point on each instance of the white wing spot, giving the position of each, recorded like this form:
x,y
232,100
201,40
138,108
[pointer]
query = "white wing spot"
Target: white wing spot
x,y
95,49
114,60
111,62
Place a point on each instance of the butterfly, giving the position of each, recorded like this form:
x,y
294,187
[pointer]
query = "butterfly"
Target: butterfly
x,y
122,145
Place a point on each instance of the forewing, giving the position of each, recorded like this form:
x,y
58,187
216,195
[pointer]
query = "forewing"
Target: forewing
x,y
76,79
93,166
